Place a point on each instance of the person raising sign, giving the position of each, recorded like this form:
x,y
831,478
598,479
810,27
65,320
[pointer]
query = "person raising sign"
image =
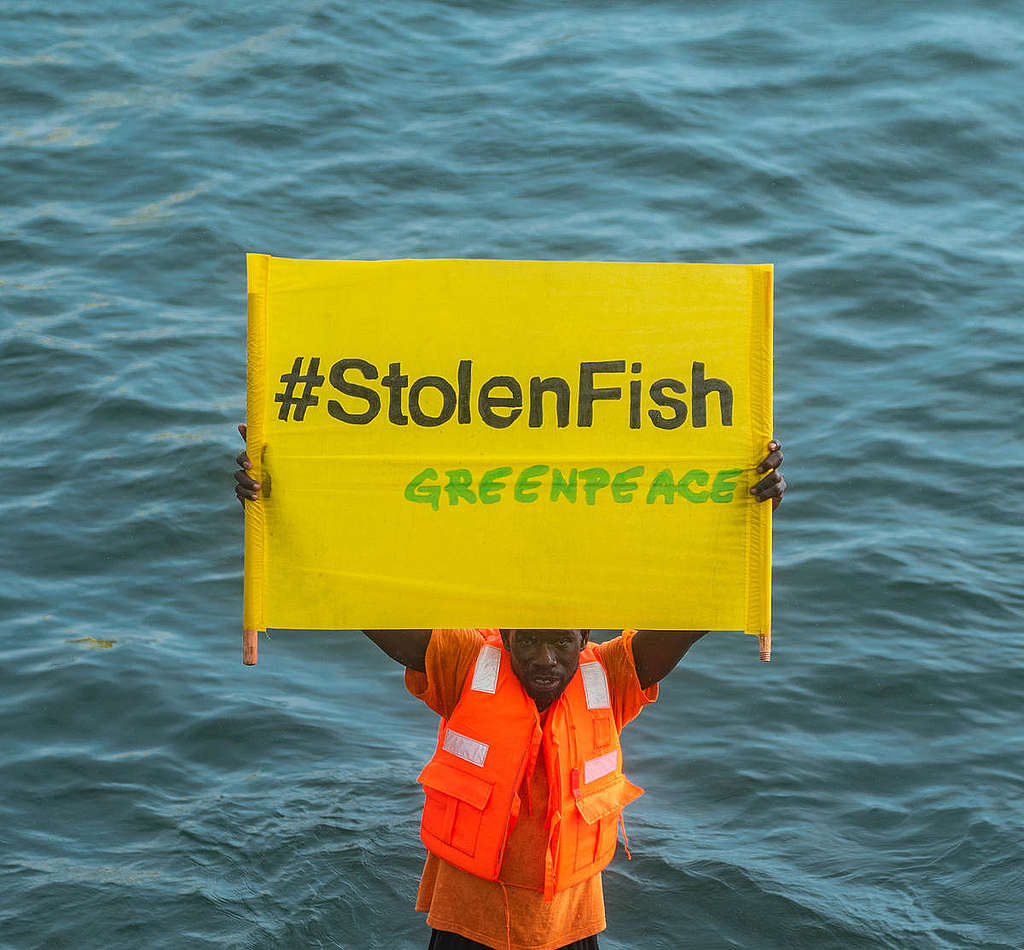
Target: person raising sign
x,y
525,789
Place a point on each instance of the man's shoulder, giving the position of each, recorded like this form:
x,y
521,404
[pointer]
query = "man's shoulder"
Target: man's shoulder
x,y
451,653
628,696
612,650
457,639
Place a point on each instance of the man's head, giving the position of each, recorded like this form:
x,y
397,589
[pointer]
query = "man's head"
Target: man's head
x,y
544,660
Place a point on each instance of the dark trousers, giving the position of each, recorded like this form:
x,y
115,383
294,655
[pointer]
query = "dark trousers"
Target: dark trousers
x,y
443,940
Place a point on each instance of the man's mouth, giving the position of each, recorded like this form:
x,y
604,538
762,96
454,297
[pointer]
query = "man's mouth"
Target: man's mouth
x,y
544,681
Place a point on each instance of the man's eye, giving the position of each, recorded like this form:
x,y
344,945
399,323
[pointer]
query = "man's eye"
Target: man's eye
x,y
565,641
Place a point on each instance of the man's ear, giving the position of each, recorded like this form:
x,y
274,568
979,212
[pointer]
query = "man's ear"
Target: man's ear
x,y
505,634
586,636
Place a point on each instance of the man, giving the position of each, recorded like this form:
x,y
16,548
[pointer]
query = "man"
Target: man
x,y
525,789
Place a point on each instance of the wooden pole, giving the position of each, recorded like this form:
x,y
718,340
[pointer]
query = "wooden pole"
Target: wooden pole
x,y
249,647
257,267
764,639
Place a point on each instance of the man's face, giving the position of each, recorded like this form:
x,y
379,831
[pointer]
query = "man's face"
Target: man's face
x,y
544,660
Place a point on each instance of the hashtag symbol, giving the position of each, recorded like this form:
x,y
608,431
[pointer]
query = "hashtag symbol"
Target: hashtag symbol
x,y
312,380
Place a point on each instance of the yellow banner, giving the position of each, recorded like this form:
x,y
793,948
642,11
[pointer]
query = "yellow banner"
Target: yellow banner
x,y
475,443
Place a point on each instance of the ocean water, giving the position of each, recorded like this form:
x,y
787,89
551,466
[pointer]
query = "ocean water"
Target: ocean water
x,y
863,791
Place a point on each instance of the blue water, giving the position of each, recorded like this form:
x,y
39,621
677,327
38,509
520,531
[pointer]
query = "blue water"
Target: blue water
x,y
862,791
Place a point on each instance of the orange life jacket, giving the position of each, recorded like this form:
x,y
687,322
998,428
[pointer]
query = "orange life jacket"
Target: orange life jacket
x,y
491,743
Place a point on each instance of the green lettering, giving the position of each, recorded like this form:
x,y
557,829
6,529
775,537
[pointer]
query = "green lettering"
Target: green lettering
x,y
559,484
662,486
491,486
423,494
594,479
528,482
724,485
459,480
683,487
623,486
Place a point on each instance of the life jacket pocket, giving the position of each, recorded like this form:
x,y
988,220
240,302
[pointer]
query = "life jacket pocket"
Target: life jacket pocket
x,y
600,808
455,803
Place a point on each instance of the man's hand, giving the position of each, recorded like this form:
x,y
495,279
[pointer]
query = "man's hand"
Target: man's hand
x,y
245,487
773,485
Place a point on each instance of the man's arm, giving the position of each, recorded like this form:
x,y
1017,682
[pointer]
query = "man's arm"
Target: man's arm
x,y
409,647
656,652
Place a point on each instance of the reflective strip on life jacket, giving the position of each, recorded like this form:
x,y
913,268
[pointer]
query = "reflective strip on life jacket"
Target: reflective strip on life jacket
x,y
595,685
485,673
603,765
471,750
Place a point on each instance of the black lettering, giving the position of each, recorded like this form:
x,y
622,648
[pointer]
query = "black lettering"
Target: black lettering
x,y
396,382
486,402
657,392
447,392
339,382
553,384
634,403
465,383
589,394
699,389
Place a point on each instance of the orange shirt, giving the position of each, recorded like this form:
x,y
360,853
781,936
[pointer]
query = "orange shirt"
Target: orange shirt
x,y
512,912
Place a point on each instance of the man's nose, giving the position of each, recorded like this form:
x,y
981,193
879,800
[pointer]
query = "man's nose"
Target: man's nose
x,y
546,655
